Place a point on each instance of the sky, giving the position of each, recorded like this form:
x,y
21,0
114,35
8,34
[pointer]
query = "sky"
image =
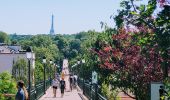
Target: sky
x,y
70,16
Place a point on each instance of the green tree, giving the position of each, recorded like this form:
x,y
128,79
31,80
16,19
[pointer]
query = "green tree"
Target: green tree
x,y
75,44
162,25
4,37
7,86
39,69
41,41
20,70
81,35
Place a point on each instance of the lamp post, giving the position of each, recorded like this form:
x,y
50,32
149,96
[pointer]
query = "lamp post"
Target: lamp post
x,y
29,56
54,72
83,61
51,62
58,68
82,70
44,62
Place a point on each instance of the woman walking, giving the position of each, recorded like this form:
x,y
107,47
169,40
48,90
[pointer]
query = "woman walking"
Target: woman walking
x,y
55,84
62,87
22,93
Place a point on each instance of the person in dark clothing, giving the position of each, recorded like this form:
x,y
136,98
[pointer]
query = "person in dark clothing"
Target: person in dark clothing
x,y
22,93
62,86
71,82
162,93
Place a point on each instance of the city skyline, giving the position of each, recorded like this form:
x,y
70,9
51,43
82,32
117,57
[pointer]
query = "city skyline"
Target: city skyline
x,y
34,16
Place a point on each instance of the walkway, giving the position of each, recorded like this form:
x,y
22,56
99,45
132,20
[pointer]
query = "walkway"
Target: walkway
x,y
74,95
67,96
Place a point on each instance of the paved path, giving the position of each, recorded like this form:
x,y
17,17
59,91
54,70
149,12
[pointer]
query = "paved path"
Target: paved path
x,y
67,95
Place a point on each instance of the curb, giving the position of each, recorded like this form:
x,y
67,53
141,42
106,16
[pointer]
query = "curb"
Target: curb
x,y
82,96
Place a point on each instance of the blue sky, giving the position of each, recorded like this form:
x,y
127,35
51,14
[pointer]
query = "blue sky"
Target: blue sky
x,y
70,16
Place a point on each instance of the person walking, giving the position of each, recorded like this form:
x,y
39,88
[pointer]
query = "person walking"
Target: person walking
x,y
22,93
71,82
55,84
62,87
75,81
62,75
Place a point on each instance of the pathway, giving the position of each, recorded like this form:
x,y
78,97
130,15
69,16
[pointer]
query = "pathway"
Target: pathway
x,y
67,96
74,95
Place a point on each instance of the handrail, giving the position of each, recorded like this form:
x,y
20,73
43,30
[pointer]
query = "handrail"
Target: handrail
x,y
90,92
38,90
101,97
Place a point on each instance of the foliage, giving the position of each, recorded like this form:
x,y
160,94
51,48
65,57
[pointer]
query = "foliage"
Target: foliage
x,y
4,37
167,84
111,94
133,66
38,71
162,28
7,86
87,42
20,70
61,42
139,51
42,45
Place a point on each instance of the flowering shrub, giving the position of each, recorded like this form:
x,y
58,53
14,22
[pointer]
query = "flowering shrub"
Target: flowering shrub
x,y
132,60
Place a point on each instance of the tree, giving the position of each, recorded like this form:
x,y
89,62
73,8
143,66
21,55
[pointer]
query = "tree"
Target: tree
x,y
142,17
61,42
163,37
39,69
75,44
8,86
20,70
41,41
81,35
42,45
4,37
129,65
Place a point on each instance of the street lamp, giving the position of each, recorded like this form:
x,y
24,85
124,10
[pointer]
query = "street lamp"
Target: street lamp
x,y
29,56
78,62
83,61
51,62
54,67
82,70
58,68
44,62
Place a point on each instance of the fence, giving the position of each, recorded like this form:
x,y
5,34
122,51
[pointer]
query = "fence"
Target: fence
x,y
90,91
38,90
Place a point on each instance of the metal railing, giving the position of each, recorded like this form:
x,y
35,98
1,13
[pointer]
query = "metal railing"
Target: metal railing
x,y
38,90
87,90
90,92
100,97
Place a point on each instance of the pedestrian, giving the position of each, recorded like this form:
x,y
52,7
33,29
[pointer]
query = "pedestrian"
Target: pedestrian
x,y
55,84
62,75
62,86
22,93
71,81
75,81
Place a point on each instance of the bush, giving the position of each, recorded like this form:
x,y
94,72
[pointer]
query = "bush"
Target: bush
x,y
167,85
109,92
7,86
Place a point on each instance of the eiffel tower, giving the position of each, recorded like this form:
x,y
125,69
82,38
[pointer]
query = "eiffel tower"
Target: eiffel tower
x,y
52,26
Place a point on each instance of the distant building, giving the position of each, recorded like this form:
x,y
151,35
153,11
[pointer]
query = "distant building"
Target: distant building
x,y
52,26
10,54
